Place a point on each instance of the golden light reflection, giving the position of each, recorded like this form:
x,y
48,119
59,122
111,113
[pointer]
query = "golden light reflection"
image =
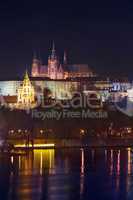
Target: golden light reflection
x,y
129,160
12,159
41,163
111,162
35,145
35,161
105,155
82,172
19,162
43,159
128,178
118,171
82,161
118,163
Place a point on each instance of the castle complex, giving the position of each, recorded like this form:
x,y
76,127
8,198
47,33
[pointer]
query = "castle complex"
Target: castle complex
x,y
56,70
62,79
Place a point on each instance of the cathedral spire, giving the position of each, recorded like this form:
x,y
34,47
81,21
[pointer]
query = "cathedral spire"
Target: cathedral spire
x,y
26,94
53,46
26,76
65,58
53,55
35,57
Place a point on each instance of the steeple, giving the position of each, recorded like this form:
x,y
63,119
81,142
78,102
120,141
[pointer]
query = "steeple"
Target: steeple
x,y
26,77
60,68
35,65
53,63
34,55
53,54
35,58
26,94
53,47
60,73
26,80
65,58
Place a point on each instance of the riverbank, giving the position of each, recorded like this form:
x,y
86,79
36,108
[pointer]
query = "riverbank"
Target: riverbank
x,y
73,143
32,121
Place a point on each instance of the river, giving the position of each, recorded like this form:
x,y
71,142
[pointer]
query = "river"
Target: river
x,y
68,174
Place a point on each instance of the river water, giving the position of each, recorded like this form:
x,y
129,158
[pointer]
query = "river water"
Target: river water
x,y
68,174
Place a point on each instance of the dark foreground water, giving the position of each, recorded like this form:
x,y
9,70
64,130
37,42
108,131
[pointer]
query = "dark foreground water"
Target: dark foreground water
x,y
69,174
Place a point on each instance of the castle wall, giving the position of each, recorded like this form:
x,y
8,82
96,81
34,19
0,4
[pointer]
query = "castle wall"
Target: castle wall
x,y
59,89
9,87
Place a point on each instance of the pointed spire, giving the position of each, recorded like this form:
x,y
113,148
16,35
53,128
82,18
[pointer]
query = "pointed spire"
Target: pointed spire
x,y
53,46
60,68
34,55
26,76
35,59
65,58
53,55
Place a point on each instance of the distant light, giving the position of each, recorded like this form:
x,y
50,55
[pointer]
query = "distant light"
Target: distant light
x,y
82,131
35,145
41,131
12,159
130,94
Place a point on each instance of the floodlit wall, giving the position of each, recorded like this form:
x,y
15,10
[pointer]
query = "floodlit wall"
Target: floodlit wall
x,y
59,89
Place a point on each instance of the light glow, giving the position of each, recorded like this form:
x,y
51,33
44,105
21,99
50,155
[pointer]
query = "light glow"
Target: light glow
x,y
130,94
35,145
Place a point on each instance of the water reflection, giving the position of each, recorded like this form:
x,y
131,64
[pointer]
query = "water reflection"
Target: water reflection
x,y
67,174
82,172
43,159
129,160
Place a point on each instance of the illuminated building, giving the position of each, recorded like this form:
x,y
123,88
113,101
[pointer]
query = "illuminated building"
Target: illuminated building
x,y
9,87
130,94
57,70
26,93
63,89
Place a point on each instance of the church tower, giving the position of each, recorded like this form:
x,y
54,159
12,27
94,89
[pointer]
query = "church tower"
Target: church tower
x,y
35,67
65,74
26,94
53,64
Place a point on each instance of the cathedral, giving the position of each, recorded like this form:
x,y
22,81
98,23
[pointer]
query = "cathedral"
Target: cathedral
x,y
26,94
58,71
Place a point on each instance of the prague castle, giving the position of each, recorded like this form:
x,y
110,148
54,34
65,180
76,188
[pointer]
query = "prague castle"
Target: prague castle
x,y
61,79
56,70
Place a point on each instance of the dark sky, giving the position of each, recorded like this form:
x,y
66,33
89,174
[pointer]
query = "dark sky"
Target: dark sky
x,y
99,33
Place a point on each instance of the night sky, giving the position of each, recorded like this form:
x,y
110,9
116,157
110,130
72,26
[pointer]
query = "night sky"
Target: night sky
x,y
99,33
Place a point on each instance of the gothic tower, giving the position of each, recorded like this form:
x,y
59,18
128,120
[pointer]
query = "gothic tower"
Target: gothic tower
x,y
65,73
53,64
35,67
26,93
